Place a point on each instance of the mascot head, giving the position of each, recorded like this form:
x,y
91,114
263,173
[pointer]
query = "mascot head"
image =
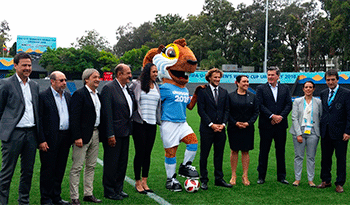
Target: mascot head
x,y
175,62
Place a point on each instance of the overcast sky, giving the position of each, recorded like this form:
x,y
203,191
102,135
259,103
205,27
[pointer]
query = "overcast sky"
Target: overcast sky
x,y
69,19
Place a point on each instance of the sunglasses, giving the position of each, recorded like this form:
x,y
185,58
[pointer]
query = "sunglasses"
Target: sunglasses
x,y
61,80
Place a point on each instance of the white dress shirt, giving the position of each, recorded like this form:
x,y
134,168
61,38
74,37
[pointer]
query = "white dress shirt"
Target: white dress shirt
x,y
97,105
213,92
127,96
274,91
27,119
62,109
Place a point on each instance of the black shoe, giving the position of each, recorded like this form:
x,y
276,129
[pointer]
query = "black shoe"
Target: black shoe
x,y
204,186
173,184
149,190
140,192
92,198
62,202
222,183
114,197
188,171
283,181
123,194
75,202
260,181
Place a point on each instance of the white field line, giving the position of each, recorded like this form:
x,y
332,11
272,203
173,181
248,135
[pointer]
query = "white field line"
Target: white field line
x,y
153,196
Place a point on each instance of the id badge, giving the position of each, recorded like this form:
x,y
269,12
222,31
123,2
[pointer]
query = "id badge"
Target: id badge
x,y
307,130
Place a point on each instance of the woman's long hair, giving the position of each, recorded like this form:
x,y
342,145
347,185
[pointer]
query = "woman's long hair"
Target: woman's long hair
x,y
145,77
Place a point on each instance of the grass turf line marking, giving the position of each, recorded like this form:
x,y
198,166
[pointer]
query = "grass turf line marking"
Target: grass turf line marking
x,y
153,196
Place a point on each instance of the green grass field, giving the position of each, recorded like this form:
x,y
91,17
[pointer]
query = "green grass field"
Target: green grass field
x,y
272,192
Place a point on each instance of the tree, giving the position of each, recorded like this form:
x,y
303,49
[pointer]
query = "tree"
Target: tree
x,y
73,61
339,14
93,38
107,61
215,60
130,37
13,49
4,33
134,57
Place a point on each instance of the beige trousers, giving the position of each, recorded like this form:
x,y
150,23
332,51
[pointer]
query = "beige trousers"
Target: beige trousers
x,y
87,153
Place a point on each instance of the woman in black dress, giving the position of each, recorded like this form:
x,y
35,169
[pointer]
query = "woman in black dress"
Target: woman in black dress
x,y
244,111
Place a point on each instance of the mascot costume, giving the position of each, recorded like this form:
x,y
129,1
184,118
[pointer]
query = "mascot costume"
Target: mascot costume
x,y
175,62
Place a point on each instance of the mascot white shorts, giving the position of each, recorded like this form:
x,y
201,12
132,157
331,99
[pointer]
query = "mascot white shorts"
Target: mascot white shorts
x,y
173,132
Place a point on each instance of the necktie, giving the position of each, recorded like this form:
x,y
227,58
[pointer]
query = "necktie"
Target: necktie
x,y
216,95
330,96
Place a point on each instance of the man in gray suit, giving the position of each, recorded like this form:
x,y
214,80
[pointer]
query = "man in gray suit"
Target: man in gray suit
x,y
19,120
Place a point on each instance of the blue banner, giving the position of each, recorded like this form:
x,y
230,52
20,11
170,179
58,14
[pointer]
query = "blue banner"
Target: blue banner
x,y
6,63
260,78
35,44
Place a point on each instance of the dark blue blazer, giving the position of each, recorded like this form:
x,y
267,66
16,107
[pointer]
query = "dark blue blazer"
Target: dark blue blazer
x,y
82,115
209,111
49,118
115,110
268,105
337,116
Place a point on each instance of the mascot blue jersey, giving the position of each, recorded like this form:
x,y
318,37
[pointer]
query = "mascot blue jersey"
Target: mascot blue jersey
x,y
174,102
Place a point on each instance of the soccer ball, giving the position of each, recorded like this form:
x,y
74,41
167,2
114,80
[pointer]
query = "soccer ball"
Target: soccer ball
x,y
191,185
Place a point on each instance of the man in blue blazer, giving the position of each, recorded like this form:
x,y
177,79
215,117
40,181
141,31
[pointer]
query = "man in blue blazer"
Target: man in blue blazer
x,y
118,103
212,105
275,104
85,118
19,127
54,138
335,130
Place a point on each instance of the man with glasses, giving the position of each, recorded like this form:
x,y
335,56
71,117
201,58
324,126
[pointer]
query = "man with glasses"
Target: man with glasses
x,y
54,138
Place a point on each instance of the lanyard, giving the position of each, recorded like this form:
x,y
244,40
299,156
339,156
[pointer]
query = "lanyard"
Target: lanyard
x,y
312,111
332,98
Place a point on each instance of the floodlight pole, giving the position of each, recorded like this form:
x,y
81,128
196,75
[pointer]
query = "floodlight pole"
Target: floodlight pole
x,y
266,32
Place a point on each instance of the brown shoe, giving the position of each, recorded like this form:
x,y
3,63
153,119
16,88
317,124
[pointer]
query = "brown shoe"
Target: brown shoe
x,y
324,185
339,189
75,202
92,198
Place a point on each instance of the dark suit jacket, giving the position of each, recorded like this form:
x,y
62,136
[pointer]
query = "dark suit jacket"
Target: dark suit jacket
x,y
12,105
49,117
115,111
336,117
82,115
268,105
209,111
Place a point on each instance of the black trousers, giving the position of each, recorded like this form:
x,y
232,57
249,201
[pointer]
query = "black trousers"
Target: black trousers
x,y
144,136
328,146
279,135
53,167
22,142
115,161
207,140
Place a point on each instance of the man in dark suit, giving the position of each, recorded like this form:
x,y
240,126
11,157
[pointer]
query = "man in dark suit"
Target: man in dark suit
x,y
274,104
19,127
54,138
84,119
118,103
213,110
335,130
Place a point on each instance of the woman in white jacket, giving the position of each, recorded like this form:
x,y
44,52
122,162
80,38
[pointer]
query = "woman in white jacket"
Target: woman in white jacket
x,y
305,129
145,122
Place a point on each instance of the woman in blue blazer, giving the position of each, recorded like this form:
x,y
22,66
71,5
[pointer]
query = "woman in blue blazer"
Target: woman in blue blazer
x,y
306,114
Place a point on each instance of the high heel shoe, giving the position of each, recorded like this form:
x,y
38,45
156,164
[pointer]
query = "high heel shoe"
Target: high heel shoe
x,y
245,180
233,180
312,184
